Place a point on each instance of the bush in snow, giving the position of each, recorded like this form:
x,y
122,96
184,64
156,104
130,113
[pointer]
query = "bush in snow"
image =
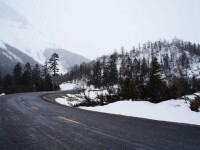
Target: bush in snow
x,y
194,105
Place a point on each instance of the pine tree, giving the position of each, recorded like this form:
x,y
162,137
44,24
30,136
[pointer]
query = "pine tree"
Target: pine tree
x,y
7,83
125,86
136,67
96,77
45,69
17,74
53,64
154,83
125,89
113,73
36,77
128,66
53,67
144,68
106,76
27,75
48,83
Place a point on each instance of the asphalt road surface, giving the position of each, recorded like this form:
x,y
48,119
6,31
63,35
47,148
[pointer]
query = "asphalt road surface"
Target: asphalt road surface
x,y
28,122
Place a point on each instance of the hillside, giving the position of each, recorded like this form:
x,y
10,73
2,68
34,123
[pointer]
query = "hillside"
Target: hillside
x,y
176,57
155,71
10,56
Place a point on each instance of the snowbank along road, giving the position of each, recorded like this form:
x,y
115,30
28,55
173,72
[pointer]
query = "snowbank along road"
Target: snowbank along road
x,y
29,122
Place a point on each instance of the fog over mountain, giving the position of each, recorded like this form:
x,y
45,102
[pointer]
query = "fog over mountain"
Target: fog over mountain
x,y
17,33
96,27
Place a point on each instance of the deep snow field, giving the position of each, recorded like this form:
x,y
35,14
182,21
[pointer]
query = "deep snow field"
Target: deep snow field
x,y
174,110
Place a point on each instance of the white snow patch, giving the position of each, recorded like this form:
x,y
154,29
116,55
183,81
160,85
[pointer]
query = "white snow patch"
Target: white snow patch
x,y
2,94
67,86
171,110
192,96
15,57
8,56
70,100
62,101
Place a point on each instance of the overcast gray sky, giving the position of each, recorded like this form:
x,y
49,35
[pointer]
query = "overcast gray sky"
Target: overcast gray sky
x,y
96,27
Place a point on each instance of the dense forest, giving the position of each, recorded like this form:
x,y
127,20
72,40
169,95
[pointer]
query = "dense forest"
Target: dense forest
x,y
31,78
155,71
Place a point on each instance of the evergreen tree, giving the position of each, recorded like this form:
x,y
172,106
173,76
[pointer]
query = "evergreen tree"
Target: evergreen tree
x,y
48,83
36,77
106,77
125,89
128,67
96,78
17,74
53,67
154,83
110,73
179,87
136,67
27,75
53,64
144,68
125,85
45,69
7,84
113,73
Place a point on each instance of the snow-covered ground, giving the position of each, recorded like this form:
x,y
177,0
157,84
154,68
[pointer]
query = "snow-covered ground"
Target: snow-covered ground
x,y
192,96
70,99
171,110
2,94
67,86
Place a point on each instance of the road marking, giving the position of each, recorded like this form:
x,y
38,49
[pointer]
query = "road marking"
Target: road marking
x,y
35,107
66,119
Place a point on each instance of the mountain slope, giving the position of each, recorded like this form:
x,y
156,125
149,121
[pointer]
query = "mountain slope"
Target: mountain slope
x,y
15,30
176,57
9,56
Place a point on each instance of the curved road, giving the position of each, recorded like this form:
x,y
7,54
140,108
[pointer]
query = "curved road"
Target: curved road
x,y
28,122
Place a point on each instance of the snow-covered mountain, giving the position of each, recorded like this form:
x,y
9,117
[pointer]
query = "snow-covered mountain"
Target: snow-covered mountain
x,y
16,31
176,57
